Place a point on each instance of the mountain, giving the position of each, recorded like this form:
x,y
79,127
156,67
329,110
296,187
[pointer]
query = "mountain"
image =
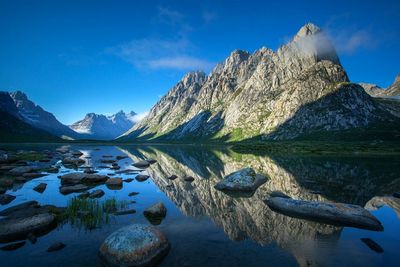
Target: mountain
x,y
298,90
393,91
38,117
97,126
14,128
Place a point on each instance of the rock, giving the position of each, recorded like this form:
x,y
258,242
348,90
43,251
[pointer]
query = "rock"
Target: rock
x,y
77,153
330,213
143,164
244,180
56,246
20,179
188,179
40,187
114,183
121,157
156,213
6,182
107,161
73,161
278,194
396,194
134,245
125,212
96,194
22,206
90,171
17,171
151,161
53,170
372,245
172,177
133,194
65,190
142,177
13,246
2,190
33,175
79,177
128,180
18,228
5,199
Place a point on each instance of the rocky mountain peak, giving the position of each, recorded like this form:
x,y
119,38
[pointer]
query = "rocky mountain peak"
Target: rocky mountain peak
x,y
193,77
18,95
307,30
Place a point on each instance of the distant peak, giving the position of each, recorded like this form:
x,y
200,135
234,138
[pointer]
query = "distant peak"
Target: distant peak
x,y
193,77
306,30
19,95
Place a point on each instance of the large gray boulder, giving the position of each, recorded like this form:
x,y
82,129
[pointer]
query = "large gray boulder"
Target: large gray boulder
x,y
141,164
65,190
134,245
244,180
156,213
17,171
331,213
80,177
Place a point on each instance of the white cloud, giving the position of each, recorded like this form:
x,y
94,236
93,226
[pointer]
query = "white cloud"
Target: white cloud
x,y
138,117
352,41
180,62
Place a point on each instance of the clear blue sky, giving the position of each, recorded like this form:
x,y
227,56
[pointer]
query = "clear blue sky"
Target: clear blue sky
x,y
74,57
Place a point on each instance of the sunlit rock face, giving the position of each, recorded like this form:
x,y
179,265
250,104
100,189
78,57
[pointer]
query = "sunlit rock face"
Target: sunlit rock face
x,y
299,89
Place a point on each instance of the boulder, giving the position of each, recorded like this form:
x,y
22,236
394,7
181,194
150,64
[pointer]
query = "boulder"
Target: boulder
x,y
6,182
142,177
372,245
128,180
33,175
131,194
65,190
73,161
330,213
156,213
134,245
80,177
56,246
6,198
19,207
119,157
188,179
13,246
244,180
114,183
141,164
40,188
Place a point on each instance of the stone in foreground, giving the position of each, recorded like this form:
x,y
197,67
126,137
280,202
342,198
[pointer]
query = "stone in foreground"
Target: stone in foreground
x,y
330,213
244,180
141,164
134,245
156,213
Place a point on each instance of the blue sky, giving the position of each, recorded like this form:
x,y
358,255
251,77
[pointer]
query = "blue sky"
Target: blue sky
x,y
75,57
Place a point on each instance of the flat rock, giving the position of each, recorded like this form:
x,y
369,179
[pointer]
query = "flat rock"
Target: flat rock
x,y
330,213
134,245
21,206
131,194
40,187
6,198
244,180
372,245
124,212
65,190
5,182
18,228
114,183
128,180
13,246
33,175
142,177
73,161
80,177
119,157
141,164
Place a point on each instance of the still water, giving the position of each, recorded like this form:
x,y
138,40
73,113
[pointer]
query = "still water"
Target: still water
x,y
206,227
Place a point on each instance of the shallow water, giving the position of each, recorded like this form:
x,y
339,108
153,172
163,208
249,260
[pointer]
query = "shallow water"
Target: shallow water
x,y
209,228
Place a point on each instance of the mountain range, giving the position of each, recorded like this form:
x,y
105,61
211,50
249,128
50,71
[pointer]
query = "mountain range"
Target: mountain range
x,y
98,126
23,120
297,91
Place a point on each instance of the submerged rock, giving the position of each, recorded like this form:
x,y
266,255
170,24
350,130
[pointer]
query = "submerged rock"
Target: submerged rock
x,y
141,164
13,246
128,180
331,213
114,183
372,245
40,187
131,194
56,246
6,198
156,213
134,245
244,180
124,212
96,194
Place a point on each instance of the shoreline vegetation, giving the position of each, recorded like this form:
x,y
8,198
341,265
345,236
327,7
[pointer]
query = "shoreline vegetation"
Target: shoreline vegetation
x,y
260,147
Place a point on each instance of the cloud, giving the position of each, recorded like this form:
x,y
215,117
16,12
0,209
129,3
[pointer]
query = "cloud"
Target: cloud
x,y
138,117
180,62
349,42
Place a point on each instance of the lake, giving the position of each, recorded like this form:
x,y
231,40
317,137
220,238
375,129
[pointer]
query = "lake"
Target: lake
x,y
207,227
